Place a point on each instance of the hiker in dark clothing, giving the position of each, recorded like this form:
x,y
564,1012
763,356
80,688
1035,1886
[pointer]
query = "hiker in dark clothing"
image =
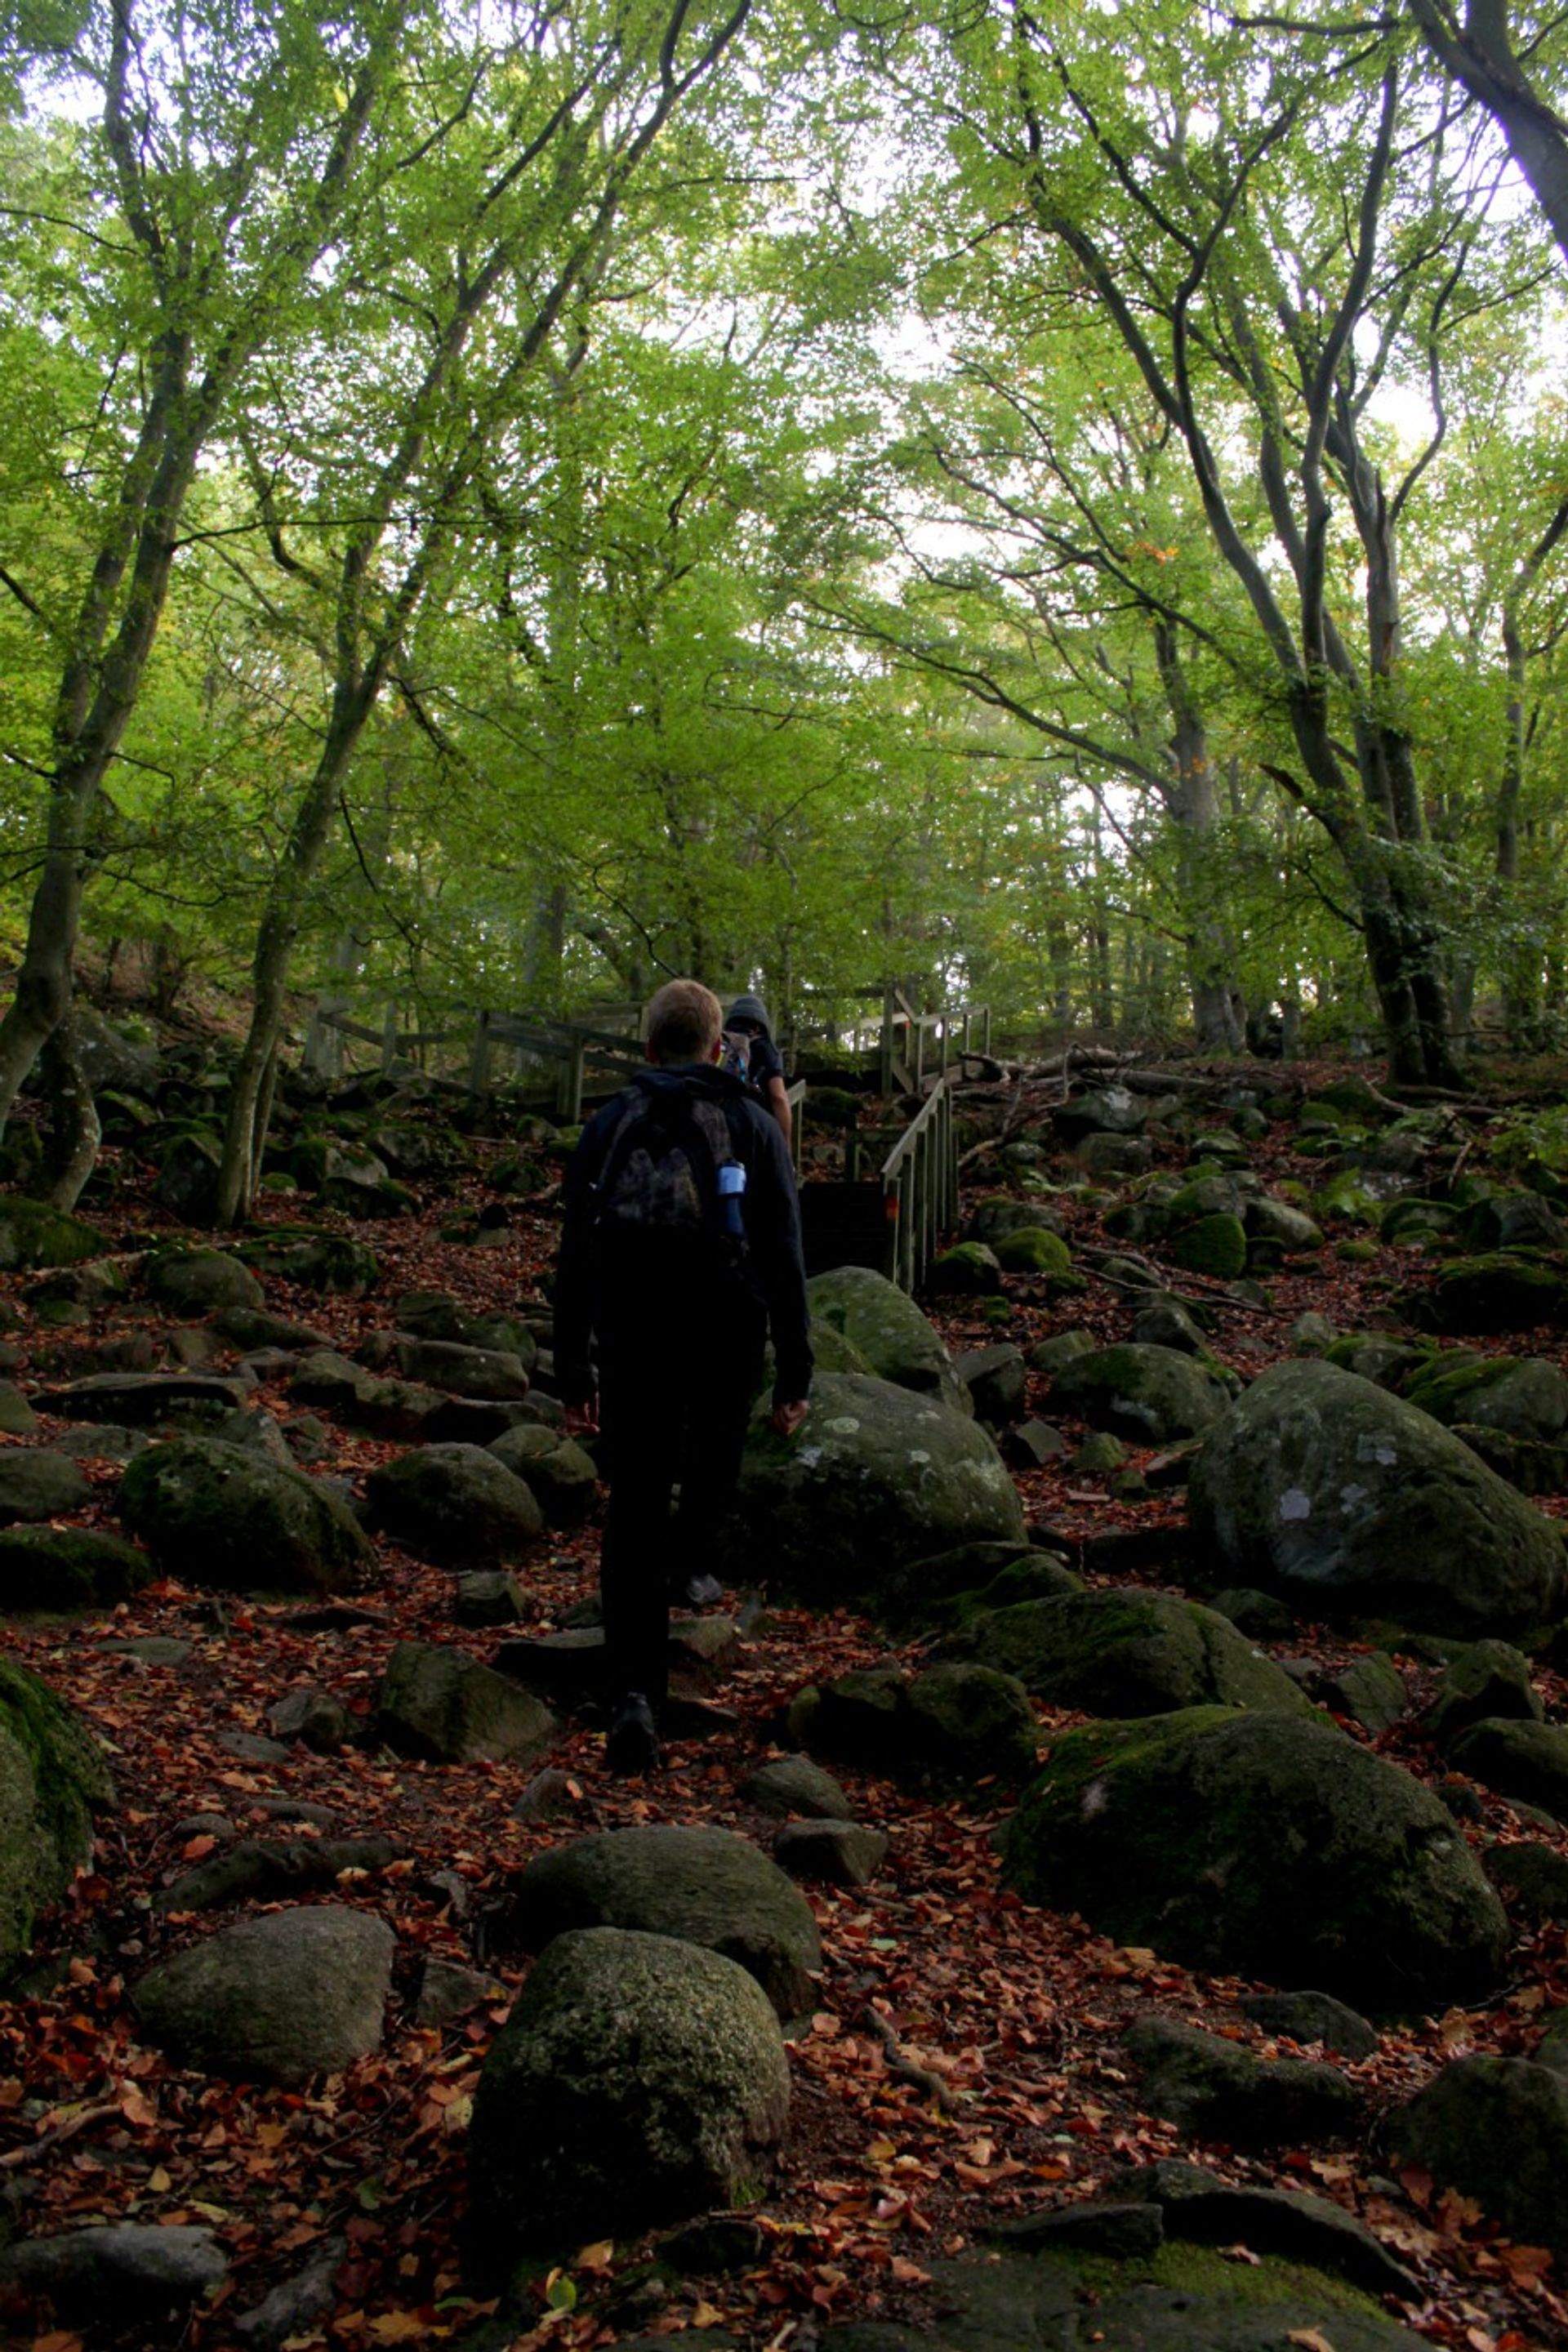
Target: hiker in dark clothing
x,y
747,1019
680,1251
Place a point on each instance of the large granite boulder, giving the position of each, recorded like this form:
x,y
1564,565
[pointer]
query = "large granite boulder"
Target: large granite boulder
x,y
460,1371
1127,1653
34,1235
1495,2129
1264,1845
1151,1394
275,1999
120,2279
1496,1292
705,1886
437,1702
53,1779
1349,1502
559,1474
875,1478
224,1515
1522,1396
886,1328
455,1504
194,1282
435,1315
957,1722
69,1567
639,2079
39,1484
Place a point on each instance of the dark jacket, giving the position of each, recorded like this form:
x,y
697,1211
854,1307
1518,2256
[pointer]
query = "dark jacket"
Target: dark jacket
x,y
586,1303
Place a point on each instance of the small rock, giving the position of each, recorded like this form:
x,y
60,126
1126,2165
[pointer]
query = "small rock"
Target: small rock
x,y
487,1596
314,1717
1308,2016
1215,2089
293,2308
117,2273
841,1853
1032,1444
448,1992
794,1784
548,1796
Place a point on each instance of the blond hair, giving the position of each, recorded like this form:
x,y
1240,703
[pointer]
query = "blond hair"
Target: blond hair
x,y
685,1022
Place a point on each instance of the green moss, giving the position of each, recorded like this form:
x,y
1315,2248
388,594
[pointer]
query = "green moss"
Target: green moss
x,y
1033,1249
1214,1246
1204,2271
968,1270
1347,1199
1500,1291
1403,1220
1356,1252
54,1780
1440,1388
34,1235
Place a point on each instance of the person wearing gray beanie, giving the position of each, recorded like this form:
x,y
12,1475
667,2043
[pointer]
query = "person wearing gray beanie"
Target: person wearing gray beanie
x,y
750,1055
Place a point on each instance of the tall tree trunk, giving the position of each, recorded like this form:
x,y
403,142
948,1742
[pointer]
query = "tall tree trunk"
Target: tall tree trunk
x,y
250,1100
74,1132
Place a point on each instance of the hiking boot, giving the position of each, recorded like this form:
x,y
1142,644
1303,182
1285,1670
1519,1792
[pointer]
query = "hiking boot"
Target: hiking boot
x,y
701,1593
631,1744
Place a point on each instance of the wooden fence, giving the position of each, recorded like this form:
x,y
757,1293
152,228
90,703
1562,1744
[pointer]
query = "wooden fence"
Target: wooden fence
x,y
908,1036
896,1221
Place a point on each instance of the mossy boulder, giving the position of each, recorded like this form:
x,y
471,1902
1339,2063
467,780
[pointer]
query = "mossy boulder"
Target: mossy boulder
x,y
1519,1757
1213,1246
327,1263
435,1315
224,1515
1350,1503
705,1886
557,1473
1001,1214
969,1270
53,1778
876,1477
1149,1393
274,1999
887,1332
1522,1396
455,1503
1498,1292
960,1722
36,1483
1127,1653
1413,1219
1495,2129
1283,1225
200,1282
1033,1249
34,1235
1508,1221
68,1568
1261,1844
638,2080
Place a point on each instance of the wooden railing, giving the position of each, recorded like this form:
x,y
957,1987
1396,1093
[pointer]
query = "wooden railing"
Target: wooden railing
x,y
920,1190
905,1036
569,1048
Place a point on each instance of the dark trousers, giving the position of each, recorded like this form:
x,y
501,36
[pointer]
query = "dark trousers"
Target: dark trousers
x,y
675,1397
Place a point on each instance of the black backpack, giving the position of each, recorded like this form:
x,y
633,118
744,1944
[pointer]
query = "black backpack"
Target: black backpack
x,y
659,1180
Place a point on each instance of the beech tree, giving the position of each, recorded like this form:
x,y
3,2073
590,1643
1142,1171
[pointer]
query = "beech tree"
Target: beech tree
x,y
204,208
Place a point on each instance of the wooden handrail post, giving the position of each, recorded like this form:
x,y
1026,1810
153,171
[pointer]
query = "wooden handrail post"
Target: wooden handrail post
x,y
569,1088
479,1061
885,1068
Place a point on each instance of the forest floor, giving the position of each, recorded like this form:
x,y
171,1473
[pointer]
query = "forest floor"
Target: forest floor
x,y
1017,2011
